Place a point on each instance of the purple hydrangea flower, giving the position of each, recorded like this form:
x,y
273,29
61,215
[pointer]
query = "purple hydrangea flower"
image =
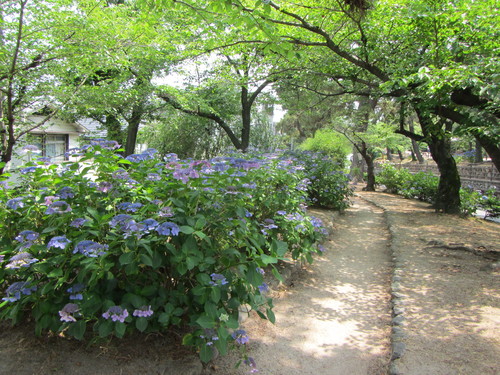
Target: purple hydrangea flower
x,y
58,242
131,227
27,236
251,362
31,148
218,279
16,289
240,337
260,270
137,158
144,312
50,199
166,212
90,249
121,174
77,223
153,177
15,203
66,192
104,186
1,258
116,313
21,260
67,311
168,229
59,207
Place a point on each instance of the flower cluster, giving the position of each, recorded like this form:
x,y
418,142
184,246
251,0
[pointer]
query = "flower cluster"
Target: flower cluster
x,y
90,248
218,279
116,314
15,290
67,312
143,312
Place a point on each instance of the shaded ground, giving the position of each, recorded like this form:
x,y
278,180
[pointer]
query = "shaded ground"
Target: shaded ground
x,y
336,316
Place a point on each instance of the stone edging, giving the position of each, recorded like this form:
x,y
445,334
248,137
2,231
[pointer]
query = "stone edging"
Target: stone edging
x,y
398,321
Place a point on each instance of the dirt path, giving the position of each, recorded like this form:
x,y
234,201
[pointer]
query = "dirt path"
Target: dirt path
x,y
445,290
334,318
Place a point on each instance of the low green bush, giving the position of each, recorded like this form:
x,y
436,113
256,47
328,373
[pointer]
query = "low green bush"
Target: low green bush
x,y
110,245
424,186
328,186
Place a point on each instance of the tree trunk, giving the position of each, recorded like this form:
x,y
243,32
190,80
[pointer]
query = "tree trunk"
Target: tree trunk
x,y
415,146
478,155
448,194
114,129
389,154
370,168
246,119
400,154
492,148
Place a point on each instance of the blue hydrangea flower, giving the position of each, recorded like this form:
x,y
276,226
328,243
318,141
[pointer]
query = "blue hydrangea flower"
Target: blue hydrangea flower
x,y
218,279
316,222
59,207
58,242
168,229
263,288
129,207
16,289
28,170
116,313
75,291
260,270
27,236
67,312
77,223
144,312
104,143
15,203
240,337
119,220
66,192
90,249
150,224
131,227
1,258
21,260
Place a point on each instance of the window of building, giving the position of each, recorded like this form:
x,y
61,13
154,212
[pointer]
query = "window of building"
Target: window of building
x,y
53,146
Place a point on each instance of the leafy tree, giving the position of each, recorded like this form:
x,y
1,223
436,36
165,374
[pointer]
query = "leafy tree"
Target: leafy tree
x,y
38,41
437,57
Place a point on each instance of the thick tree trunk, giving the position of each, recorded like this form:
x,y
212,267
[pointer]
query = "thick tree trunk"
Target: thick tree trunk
x,y
492,148
448,194
246,119
400,154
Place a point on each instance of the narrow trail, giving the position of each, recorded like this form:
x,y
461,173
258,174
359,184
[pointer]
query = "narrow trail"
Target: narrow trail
x,y
334,318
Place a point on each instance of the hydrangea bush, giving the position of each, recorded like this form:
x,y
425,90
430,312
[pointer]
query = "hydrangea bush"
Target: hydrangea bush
x,y
328,185
108,245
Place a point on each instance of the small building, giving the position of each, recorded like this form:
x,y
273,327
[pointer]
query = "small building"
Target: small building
x,y
53,139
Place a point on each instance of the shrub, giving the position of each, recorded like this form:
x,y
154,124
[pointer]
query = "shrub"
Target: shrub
x,y
107,245
424,186
328,186
421,185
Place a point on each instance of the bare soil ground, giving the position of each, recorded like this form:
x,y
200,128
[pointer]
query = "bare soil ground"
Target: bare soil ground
x,y
337,315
